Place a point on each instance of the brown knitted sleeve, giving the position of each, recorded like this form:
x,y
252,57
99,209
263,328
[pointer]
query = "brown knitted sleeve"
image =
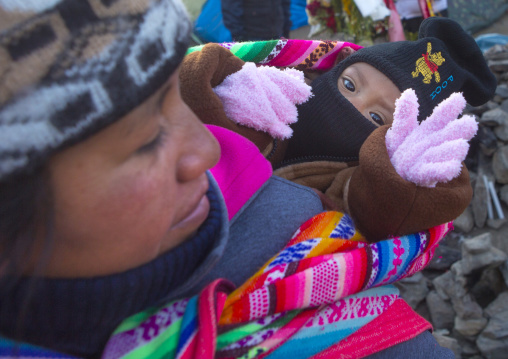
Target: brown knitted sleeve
x,y
200,72
382,203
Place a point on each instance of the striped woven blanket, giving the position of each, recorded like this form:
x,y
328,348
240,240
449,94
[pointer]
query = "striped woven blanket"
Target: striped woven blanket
x,y
327,294
300,54
324,286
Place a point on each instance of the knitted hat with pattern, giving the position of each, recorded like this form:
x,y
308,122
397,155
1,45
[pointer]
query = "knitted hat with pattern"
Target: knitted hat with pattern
x,y
69,68
444,60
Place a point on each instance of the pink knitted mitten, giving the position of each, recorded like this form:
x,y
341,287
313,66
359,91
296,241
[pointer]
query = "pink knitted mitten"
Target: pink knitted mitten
x,y
264,98
432,151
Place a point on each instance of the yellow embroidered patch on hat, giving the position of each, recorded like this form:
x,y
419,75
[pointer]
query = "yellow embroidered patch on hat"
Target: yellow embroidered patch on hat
x,y
428,64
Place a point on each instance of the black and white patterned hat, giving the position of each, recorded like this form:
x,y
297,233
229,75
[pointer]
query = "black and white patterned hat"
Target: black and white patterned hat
x,y
69,68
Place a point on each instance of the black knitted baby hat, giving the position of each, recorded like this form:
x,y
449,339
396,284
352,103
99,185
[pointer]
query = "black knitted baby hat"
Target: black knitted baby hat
x,y
71,67
445,59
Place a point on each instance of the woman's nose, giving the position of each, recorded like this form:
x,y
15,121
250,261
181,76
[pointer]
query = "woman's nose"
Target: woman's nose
x,y
200,150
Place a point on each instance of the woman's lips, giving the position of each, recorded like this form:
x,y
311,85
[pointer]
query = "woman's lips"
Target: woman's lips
x,y
197,214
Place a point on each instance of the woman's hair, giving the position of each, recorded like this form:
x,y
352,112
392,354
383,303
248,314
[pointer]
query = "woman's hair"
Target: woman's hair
x,y
25,217
25,214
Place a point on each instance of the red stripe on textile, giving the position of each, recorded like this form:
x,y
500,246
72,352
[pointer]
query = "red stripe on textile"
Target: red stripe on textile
x,y
281,292
207,309
397,324
362,273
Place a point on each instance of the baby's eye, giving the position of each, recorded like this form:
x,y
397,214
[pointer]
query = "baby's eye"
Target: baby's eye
x,y
376,118
349,85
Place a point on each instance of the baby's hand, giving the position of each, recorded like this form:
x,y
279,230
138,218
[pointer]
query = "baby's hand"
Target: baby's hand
x,y
432,151
264,98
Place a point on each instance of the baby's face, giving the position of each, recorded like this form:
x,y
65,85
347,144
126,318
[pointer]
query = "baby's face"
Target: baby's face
x,y
370,92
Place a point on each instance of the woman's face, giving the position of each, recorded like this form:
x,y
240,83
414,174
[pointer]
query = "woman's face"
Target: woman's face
x,y
133,191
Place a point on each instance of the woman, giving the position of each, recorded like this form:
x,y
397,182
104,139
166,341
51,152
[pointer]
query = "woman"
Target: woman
x,y
107,205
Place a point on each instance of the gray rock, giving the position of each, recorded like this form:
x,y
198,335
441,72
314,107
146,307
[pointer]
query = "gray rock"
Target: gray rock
x,y
504,105
502,90
446,283
458,271
491,348
496,52
500,165
498,65
487,140
441,311
478,253
444,257
479,202
488,287
498,98
495,117
465,222
477,245
479,110
493,341
469,349
466,308
500,238
448,342
413,289
470,327
504,271
496,223
503,194
501,132
498,307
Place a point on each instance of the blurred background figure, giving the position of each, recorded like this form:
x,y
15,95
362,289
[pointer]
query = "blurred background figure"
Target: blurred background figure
x,y
251,20
412,12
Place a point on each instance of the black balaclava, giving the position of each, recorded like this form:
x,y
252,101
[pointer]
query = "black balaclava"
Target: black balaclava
x,y
444,60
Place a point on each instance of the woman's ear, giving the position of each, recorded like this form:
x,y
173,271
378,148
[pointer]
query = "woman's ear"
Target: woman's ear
x,y
343,53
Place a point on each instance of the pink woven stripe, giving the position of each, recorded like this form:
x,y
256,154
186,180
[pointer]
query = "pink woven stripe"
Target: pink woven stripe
x,y
327,61
287,331
396,325
294,53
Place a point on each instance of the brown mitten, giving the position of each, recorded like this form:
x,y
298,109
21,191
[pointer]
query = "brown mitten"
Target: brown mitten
x,y
382,203
203,70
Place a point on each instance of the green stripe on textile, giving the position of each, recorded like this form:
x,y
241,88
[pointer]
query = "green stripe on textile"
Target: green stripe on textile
x,y
163,346
134,320
241,49
260,51
194,48
239,333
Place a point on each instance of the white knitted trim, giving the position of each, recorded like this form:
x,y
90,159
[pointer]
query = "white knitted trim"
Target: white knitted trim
x,y
28,5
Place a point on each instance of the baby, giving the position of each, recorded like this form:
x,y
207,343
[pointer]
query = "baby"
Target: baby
x,y
336,145
365,85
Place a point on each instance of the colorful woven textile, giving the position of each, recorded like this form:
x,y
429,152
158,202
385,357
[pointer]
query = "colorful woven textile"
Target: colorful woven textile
x,y
300,54
321,288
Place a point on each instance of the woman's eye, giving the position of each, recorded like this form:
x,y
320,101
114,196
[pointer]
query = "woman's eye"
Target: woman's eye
x,y
376,118
348,84
152,145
